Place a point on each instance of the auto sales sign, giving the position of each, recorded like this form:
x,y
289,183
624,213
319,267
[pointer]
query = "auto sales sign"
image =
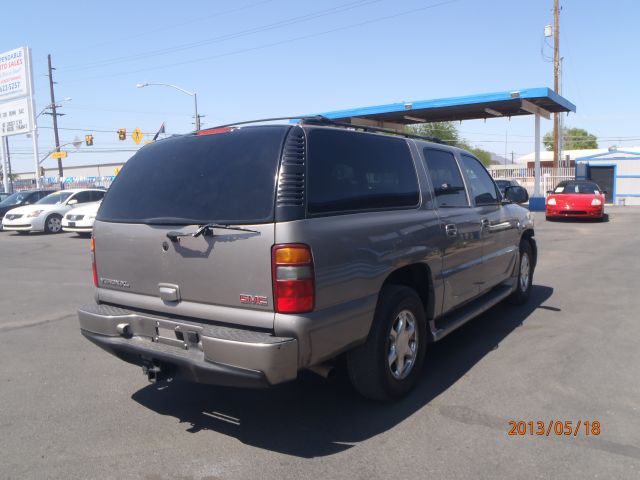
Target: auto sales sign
x,y
14,74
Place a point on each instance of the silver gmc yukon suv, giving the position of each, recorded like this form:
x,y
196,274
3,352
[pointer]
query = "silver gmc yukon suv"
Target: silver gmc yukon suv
x,y
240,256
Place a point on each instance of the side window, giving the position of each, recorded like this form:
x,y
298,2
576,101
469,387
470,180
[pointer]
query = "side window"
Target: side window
x,y
446,178
483,190
83,197
96,195
351,171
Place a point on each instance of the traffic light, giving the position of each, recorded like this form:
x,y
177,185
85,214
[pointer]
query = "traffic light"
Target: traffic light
x,y
88,139
122,134
42,171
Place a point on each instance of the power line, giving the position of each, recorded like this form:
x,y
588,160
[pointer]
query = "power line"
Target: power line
x,y
116,110
273,44
167,27
187,46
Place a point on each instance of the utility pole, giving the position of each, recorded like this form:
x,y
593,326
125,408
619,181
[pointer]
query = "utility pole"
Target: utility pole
x,y
556,71
54,114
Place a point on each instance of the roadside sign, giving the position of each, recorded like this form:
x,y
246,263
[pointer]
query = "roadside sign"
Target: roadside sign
x,y
14,74
137,136
15,117
59,155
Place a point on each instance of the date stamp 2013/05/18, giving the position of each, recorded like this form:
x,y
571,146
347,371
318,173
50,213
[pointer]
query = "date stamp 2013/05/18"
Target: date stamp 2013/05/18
x,y
554,427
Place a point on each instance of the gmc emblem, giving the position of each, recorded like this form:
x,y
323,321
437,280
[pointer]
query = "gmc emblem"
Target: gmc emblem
x,y
254,299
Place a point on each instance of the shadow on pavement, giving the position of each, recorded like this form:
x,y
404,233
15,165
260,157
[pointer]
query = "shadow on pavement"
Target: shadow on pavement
x,y
314,417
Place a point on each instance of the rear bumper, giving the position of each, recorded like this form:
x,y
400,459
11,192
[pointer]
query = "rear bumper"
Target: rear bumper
x,y
199,352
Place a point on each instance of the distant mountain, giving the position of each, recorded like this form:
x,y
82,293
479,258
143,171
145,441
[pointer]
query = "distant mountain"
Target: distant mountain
x,y
498,159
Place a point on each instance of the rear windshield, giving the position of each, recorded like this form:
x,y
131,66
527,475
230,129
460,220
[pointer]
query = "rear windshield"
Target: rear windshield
x,y
577,187
222,178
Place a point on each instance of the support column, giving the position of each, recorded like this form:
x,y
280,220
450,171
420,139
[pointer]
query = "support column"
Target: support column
x,y
536,202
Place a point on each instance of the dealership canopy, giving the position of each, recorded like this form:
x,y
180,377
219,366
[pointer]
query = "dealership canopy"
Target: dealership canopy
x,y
486,105
540,102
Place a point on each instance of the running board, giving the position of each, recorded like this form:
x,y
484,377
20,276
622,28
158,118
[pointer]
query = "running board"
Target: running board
x,y
462,315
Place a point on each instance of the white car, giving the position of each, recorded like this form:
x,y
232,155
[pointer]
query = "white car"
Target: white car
x,y
46,214
80,220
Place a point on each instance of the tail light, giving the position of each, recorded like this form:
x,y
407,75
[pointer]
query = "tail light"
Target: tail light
x,y
94,270
293,278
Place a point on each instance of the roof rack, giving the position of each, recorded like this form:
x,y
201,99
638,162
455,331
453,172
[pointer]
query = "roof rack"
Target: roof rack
x,y
322,120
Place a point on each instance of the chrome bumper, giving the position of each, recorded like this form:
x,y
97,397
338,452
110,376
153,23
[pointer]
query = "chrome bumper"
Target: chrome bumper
x,y
200,352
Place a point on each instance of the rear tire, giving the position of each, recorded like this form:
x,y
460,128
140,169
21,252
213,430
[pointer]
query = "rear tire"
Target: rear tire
x,y
398,332
53,224
525,275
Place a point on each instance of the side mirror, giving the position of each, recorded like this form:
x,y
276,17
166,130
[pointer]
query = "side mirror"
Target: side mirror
x,y
516,194
73,201
549,192
604,192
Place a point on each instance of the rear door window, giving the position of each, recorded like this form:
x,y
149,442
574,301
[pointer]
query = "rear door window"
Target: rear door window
x,y
96,195
226,177
351,171
446,178
82,197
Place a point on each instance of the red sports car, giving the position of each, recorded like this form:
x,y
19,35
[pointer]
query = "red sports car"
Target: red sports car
x,y
576,198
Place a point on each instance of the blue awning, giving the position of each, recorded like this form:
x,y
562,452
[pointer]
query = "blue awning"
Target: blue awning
x,y
487,105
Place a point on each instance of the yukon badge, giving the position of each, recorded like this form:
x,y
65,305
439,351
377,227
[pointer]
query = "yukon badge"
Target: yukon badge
x,y
109,282
254,299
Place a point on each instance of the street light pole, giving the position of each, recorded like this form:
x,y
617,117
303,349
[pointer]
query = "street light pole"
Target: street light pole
x,y
191,94
195,103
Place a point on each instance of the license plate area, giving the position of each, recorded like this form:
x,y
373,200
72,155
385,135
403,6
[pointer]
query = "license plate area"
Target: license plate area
x,y
72,224
177,335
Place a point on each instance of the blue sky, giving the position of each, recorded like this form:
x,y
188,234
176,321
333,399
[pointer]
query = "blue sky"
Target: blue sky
x,y
262,58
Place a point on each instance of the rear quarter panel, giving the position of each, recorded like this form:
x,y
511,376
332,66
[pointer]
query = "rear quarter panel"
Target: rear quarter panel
x,y
353,255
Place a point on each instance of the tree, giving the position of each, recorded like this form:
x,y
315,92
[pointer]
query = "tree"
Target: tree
x,y
572,139
12,177
448,133
445,131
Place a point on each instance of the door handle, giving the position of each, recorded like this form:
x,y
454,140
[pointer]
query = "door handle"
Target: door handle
x,y
485,223
451,230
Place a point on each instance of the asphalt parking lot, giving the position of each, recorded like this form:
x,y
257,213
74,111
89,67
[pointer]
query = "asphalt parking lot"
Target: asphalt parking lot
x,y
69,410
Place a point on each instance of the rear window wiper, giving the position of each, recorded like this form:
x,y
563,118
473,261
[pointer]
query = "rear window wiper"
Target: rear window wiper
x,y
205,230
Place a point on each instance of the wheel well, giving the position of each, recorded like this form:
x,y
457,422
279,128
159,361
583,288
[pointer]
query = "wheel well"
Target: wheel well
x,y
418,277
528,236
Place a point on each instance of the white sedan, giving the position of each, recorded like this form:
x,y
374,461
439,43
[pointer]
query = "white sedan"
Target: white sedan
x,y
80,220
46,214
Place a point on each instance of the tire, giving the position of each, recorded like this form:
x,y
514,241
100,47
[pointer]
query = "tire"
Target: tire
x,y
370,370
53,224
525,275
